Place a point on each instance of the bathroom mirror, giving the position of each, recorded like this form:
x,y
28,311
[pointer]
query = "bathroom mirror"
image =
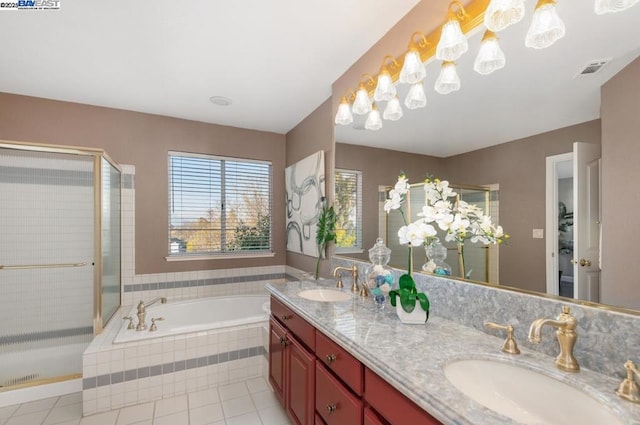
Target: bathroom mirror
x,y
499,128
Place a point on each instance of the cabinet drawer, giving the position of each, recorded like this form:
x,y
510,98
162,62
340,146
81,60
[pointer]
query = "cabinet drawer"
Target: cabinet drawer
x,y
372,418
334,402
298,326
391,404
343,364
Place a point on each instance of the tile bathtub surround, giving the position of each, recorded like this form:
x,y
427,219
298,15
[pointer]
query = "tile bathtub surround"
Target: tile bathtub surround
x,y
606,339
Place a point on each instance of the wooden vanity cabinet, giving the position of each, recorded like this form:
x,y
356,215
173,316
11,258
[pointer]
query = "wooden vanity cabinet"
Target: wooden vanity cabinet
x,y
292,363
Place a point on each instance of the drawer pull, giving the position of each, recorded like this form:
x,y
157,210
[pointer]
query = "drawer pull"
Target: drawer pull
x,y
331,408
284,342
284,317
331,358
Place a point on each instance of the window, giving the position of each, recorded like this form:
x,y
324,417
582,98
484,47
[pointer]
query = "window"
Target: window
x,y
348,207
218,205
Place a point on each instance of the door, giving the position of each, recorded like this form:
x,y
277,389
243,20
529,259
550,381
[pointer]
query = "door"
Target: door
x,y
586,222
277,340
300,383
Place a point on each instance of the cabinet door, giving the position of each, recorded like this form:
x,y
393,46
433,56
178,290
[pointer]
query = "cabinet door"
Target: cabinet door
x,y
300,383
277,337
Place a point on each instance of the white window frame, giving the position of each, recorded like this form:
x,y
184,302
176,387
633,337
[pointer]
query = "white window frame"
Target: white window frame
x,y
223,254
357,248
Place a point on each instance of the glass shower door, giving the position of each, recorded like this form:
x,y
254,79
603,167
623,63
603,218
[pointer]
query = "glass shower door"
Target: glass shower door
x,y
46,264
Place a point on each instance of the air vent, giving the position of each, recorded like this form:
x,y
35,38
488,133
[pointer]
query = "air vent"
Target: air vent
x,y
593,67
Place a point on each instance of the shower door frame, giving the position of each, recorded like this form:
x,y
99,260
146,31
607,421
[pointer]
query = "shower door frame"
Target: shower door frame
x,y
97,155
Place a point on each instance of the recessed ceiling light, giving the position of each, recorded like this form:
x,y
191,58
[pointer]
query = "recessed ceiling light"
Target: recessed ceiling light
x,y
220,100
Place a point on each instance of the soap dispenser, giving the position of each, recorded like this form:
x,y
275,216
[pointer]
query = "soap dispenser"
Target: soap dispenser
x,y
379,277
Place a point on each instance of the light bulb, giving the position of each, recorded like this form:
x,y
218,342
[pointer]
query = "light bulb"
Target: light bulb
x,y
448,80
374,122
490,56
416,98
501,14
362,104
611,6
413,69
546,27
385,90
452,42
393,110
344,115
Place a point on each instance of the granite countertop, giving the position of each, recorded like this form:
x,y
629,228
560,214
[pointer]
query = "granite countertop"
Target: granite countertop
x,y
412,357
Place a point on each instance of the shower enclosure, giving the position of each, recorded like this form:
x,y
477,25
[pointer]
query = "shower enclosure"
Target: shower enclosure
x,y
59,258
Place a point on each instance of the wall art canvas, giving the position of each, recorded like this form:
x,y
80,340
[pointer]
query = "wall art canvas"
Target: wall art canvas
x,y
304,182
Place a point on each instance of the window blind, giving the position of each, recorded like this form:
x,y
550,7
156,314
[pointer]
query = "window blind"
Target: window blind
x,y
348,207
218,205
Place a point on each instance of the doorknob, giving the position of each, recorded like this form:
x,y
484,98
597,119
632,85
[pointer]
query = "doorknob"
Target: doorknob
x,y
582,262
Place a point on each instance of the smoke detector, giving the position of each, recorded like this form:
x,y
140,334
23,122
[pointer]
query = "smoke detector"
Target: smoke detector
x,y
593,67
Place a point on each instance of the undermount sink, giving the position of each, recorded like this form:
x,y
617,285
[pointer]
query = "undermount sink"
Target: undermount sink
x,y
525,395
325,295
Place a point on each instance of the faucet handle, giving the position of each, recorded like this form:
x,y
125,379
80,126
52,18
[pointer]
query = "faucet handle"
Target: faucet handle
x,y
130,319
510,346
628,388
153,326
339,283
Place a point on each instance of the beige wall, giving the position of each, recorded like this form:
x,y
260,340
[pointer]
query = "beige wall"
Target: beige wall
x,y
620,114
313,134
143,140
381,167
517,166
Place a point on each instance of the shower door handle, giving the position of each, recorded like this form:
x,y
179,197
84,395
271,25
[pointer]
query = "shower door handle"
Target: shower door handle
x,y
42,266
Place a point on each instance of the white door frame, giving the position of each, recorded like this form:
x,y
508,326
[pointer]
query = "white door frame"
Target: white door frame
x,y
551,221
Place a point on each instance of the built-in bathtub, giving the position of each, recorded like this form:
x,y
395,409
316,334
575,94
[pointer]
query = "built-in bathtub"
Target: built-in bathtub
x,y
203,314
201,343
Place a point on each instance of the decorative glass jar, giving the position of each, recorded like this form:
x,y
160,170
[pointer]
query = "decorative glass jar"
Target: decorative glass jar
x,y
436,254
379,276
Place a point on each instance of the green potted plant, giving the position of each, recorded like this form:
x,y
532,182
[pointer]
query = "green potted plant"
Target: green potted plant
x,y
325,233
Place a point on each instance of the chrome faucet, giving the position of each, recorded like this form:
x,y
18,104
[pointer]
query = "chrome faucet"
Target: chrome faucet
x,y
142,311
354,277
566,333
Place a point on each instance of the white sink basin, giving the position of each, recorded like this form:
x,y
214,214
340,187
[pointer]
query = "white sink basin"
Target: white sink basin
x,y
526,396
326,295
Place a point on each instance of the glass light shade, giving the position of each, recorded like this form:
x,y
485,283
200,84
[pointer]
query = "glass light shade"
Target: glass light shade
x,y
610,6
501,14
374,122
546,27
362,104
490,56
385,90
416,98
448,80
344,115
452,42
393,110
413,70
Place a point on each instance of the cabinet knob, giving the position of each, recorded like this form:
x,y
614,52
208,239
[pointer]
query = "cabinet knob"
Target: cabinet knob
x,y
331,358
284,317
331,408
284,342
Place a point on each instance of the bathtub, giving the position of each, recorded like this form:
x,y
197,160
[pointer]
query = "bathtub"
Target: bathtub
x,y
203,314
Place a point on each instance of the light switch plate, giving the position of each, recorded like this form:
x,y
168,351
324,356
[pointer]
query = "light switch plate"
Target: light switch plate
x,y
538,233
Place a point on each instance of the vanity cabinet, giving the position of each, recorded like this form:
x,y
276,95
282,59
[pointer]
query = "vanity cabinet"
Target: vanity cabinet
x,y
292,363
319,382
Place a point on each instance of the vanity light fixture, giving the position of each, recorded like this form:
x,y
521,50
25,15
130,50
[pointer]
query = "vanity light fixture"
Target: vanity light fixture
x,y
416,98
393,110
413,70
610,6
546,27
385,89
501,14
448,80
344,115
453,42
374,122
362,103
490,56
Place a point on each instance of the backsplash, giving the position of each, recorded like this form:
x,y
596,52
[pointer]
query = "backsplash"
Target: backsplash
x,y
606,339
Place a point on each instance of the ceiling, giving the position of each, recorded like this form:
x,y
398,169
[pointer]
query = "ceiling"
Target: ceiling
x,y
537,91
276,60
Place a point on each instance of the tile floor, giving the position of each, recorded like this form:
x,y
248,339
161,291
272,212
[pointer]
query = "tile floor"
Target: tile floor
x,y
245,403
